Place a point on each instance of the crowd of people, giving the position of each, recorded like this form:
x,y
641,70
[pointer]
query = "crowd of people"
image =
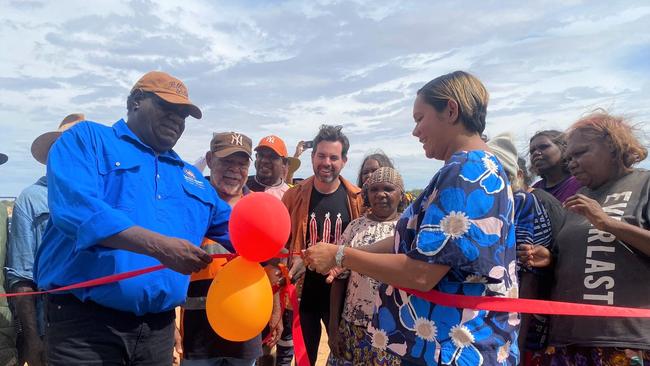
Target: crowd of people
x,y
118,198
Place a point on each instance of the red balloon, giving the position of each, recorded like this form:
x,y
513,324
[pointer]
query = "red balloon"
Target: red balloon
x,y
259,226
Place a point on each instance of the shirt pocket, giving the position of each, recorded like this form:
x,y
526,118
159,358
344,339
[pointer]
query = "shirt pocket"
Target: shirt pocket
x,y
124,182
200,200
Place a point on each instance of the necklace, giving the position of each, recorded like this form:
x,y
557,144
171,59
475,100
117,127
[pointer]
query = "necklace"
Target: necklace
x,y
267,186
373,217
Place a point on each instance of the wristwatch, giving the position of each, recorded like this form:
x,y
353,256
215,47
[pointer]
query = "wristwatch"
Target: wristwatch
x,y
339,256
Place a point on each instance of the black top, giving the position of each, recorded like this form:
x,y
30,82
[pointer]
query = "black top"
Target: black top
x,y
316,292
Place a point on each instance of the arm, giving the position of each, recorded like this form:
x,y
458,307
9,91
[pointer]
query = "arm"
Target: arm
x,y
395,269
385,245
275,323
178,254
20,264
337,299
25,308
635,236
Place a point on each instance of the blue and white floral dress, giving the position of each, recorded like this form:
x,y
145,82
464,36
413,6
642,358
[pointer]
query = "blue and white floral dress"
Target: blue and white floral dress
x,y
464,220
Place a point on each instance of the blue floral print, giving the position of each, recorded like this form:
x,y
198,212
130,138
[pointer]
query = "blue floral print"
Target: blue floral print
x,y
463,220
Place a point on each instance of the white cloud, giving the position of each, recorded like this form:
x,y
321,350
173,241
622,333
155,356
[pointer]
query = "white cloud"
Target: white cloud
x,y
286,67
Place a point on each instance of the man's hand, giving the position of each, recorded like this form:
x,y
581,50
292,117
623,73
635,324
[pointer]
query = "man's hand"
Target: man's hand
x,y
275,324
34,351
177,254
180,255
297,268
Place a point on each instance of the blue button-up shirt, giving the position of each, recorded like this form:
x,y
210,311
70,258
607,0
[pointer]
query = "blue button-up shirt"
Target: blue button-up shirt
x,y
104,180
28,223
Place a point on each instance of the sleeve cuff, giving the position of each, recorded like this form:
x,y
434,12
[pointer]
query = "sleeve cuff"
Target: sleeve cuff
x,y
13,277
100,226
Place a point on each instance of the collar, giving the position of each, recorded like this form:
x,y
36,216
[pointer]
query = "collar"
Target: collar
x,y
267,186
123,131
42,181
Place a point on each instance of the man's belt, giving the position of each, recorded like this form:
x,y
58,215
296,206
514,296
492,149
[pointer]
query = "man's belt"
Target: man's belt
x,y
195,303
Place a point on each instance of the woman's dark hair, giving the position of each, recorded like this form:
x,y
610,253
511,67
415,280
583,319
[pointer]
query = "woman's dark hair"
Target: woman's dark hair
x,y
380,157
332,134
466,90
558,138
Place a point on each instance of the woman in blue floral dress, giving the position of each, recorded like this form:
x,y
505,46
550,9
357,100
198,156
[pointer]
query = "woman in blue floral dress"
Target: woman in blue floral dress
x,y
457,238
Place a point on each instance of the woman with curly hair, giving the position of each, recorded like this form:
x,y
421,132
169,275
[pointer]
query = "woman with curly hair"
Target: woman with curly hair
x,y
602,254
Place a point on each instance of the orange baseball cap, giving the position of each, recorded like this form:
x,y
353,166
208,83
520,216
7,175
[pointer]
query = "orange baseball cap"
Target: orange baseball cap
x,y
274,143
169,88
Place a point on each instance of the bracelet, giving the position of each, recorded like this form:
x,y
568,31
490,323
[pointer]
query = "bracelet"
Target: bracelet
x,y
339,256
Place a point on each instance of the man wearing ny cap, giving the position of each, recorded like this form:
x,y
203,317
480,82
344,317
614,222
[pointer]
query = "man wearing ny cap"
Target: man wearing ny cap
x,y
121,199
271,166
30,215
228,159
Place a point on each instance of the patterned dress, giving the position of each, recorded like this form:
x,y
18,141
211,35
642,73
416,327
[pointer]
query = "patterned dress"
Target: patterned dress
x,y
359,300
464,220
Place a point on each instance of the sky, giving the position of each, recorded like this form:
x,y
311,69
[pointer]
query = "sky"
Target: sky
x,y
286,67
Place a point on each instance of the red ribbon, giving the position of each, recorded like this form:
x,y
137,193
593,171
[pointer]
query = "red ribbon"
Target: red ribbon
x,y
528,306
500,304
299,349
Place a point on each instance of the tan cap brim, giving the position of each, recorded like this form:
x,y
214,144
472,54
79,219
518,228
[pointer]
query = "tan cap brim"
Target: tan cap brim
x,y
42,144
229,151
175,99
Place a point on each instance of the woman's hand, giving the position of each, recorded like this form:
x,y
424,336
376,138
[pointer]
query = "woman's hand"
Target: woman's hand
x,y
585,206
321,257
533,255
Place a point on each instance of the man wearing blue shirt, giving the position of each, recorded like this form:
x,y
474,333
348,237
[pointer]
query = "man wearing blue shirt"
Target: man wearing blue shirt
x,y
121,199
30,216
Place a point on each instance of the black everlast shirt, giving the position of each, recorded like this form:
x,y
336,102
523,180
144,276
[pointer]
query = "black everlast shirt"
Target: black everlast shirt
x,y
315,292
595,267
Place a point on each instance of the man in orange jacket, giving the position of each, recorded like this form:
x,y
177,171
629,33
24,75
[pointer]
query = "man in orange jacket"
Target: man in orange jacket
x,y
320,207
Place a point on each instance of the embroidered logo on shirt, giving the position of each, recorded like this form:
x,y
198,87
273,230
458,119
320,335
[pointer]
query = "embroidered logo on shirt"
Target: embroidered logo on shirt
x,y
191,179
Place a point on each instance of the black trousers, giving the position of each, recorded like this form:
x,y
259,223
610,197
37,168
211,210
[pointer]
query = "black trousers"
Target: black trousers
x,y
310,321
86,333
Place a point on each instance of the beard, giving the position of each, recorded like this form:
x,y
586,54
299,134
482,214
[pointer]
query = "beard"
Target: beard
x,y
328,178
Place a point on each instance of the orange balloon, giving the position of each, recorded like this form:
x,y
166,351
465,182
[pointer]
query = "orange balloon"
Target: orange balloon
x,y
240,300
